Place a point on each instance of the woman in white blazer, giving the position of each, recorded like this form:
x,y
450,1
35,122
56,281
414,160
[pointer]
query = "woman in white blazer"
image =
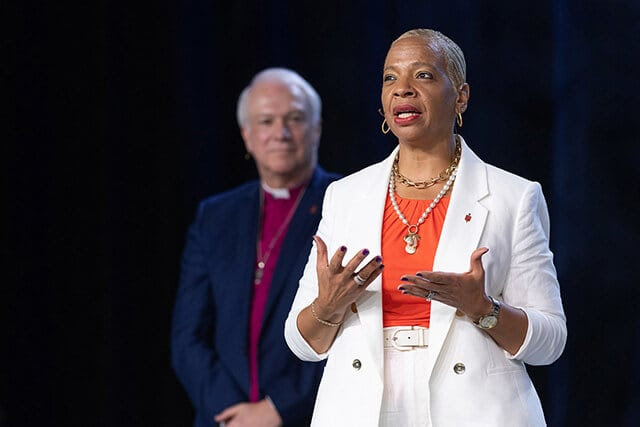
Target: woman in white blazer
x,y
452,288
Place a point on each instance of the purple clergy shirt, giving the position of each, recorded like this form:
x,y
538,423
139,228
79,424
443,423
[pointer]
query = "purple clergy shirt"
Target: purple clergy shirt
x,y
276,215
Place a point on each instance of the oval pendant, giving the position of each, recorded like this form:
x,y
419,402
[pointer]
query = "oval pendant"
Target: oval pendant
x,y
410,249
412,242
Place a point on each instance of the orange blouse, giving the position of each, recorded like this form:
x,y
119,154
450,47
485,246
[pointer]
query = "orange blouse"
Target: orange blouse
x,y
399,309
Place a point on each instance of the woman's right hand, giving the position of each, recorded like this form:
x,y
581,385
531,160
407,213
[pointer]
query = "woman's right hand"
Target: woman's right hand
x,y
338,286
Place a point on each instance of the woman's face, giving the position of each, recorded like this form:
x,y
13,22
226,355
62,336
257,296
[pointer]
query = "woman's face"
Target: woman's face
x,y
418,98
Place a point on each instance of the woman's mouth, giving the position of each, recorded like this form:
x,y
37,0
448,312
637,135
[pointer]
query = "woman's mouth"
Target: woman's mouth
x,y
407,114
406,117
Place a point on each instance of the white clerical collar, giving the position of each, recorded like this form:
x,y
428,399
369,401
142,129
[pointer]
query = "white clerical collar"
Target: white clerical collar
x,y
276,193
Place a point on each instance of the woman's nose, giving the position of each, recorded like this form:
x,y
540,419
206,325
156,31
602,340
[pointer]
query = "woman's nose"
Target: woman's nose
x,y
403,88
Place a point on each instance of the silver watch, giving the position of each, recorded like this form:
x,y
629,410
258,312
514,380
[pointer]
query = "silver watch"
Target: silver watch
x,y
489,320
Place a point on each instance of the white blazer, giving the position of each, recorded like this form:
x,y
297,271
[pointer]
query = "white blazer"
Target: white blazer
x,y
509,216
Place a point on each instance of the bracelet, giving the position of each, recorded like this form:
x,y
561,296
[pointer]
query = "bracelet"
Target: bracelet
x,y
324,322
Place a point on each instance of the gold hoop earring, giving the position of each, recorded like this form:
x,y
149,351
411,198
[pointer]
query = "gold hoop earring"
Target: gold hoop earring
x,y
459,119
385,131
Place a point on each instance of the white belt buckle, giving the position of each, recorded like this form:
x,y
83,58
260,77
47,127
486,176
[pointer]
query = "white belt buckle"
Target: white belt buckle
x,y
408,339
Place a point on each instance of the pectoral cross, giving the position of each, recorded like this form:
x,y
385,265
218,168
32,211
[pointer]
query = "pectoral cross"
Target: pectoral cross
x,y
257,277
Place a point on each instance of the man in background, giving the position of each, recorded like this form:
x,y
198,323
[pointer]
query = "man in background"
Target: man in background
x,y
244,255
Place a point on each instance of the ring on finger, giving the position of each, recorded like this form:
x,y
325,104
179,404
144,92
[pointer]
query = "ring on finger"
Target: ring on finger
x,y
359,280
430,295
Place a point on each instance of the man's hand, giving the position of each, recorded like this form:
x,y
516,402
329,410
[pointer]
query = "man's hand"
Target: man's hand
x,y
258,414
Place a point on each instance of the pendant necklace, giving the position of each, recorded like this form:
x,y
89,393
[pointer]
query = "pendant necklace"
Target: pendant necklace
x,y
412,237
262,258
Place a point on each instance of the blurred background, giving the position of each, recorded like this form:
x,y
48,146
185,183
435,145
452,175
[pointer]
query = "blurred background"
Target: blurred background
x,y
121,116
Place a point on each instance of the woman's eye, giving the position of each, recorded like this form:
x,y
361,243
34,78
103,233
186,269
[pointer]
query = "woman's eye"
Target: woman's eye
x,y
388,78
424,75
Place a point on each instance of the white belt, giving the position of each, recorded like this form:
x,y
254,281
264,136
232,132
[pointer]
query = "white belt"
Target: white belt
x,y
405,337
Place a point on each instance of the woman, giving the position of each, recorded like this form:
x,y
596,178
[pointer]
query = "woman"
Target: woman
x,y
468,293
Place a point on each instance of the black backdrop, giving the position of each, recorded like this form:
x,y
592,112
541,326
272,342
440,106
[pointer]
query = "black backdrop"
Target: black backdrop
x,y
122,116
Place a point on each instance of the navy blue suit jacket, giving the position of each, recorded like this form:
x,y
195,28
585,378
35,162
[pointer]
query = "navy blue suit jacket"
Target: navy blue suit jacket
x,y
211,315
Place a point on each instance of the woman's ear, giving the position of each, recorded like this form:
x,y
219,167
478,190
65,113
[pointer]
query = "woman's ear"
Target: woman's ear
x,y
463,98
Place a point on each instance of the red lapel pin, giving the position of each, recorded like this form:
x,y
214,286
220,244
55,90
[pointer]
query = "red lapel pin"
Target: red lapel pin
x,y
467,217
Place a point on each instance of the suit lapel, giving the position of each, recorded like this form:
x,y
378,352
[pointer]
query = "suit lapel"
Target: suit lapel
x,y
365,225
297,242
462,229
239,288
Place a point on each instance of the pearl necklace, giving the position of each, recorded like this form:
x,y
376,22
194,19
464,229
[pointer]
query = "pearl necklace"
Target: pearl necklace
x,y
412,237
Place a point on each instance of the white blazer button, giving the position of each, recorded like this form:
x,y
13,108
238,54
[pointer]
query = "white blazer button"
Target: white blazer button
x,y
356,364
459,368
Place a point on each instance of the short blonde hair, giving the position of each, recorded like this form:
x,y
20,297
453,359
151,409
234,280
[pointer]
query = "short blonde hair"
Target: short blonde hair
x,y
456,64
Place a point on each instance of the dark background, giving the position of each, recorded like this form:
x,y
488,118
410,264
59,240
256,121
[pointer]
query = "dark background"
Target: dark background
x,y
122,116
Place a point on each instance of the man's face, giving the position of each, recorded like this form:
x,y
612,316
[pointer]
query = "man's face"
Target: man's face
x,y
280,134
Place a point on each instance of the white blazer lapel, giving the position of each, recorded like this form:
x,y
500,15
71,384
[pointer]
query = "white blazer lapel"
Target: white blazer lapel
x,y
364,229
461,232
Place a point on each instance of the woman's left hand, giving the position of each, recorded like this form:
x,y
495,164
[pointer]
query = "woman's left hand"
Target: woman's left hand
x,y
464,291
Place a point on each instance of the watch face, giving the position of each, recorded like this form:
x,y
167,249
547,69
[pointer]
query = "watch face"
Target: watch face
x,y
488,322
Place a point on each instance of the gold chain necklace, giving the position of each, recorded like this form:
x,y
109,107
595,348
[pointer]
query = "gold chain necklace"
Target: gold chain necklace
x,y
442,176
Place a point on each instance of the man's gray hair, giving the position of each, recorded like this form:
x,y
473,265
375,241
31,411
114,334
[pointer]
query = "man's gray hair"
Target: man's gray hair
x,y
285,76
456,64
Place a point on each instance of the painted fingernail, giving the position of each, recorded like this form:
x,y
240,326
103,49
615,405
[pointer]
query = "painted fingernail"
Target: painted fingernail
x,y
400,288
404,279
419,275
381,266
378,259
365,252
343,248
